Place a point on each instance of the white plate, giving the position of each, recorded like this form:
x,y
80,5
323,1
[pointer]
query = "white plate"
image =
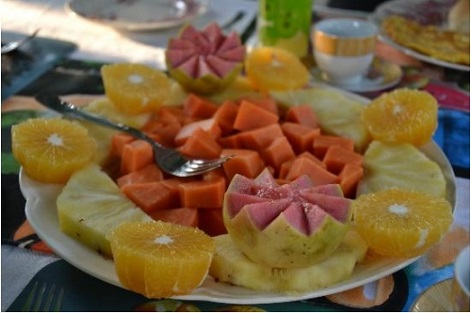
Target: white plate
x,y
138,15
381,75
41,212
430,12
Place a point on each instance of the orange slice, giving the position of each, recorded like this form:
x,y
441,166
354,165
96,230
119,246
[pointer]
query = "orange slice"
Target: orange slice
x,y
401,223
160,260
270,68
50,150
403,115
135,88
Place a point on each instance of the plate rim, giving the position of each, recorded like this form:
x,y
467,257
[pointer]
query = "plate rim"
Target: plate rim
x,y
377,17
75,252
201,8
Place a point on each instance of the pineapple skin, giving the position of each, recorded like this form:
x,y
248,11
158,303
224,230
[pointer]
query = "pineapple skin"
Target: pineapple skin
x,y
91,206
230,265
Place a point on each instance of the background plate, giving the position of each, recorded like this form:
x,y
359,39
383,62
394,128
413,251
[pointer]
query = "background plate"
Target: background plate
x,y
431,12
138,15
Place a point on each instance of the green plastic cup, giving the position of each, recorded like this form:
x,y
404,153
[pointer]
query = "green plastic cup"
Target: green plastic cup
x,y
285,24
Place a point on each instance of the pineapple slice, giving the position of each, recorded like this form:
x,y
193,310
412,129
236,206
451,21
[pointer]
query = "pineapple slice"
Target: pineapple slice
x,y
104,107
232,266
91,205
337,114
240,88
400,165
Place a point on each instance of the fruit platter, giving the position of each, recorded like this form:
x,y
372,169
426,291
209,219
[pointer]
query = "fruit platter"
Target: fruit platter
x,y
318,196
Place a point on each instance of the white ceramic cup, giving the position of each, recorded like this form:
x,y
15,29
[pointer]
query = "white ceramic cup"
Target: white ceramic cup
x,y
344,48
460,289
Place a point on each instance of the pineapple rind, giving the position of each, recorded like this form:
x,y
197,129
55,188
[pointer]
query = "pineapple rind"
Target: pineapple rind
x,y
232,266
91,205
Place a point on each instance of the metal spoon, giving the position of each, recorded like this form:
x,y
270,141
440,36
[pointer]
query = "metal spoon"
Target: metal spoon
x,y
13,45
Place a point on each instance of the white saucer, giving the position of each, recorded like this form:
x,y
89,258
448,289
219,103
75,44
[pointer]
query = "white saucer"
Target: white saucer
x,y
381,75
138,15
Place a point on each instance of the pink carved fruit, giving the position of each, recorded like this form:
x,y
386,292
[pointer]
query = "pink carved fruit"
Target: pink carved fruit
x,y
205,61
285,226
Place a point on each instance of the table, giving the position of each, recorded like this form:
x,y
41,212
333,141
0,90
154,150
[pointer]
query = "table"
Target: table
x,y
25,257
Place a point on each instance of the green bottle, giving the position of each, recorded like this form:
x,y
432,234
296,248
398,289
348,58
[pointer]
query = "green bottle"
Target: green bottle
x,y
285,24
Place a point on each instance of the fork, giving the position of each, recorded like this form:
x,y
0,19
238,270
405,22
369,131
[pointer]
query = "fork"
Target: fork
x,y
45,299
169,160
13,45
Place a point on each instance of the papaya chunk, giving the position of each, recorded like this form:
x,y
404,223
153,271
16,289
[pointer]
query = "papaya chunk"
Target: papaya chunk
x,y
215,174
251,116
203,194
173,186
349,178
309,155
147,174
302,114
300,136
196,106
168,115
322,143
318,174
244,162
180,216
261,137
209,125
164,133
201,144
336,157
153,125
266,102
118,141
136,155
286,166
225,116
278,152
235,141
148,196
211,221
